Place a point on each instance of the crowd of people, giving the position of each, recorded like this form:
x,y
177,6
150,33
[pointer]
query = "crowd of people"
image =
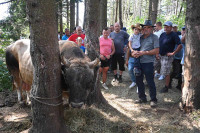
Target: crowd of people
x,y
151,51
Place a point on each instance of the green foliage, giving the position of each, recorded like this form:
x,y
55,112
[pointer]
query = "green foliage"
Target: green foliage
x,y
5,78
16,24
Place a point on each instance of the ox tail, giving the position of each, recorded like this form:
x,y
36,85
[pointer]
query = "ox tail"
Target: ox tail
x,y
12,64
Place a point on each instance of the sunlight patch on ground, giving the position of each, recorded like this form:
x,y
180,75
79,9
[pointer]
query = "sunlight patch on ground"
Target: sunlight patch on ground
x,y
125,106
168,100
15,117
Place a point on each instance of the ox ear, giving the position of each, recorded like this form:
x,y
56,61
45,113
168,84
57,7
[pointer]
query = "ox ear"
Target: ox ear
x,y
94,63
65,62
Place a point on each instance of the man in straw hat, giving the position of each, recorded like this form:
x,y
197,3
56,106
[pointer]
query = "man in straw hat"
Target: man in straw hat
x,y
149,48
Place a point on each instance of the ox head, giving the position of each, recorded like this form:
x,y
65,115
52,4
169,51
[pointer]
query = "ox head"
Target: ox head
x,y
79,78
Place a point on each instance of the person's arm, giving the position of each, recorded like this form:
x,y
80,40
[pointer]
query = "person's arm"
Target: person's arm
x,y
183,39
151,52
127,56
113,51
102,57
129,45
179,47
175,51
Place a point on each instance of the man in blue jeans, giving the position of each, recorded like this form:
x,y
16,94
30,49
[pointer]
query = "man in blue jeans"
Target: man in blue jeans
x,y
149,48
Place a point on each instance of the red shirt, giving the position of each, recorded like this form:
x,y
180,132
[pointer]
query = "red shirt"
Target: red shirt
x,y
73,38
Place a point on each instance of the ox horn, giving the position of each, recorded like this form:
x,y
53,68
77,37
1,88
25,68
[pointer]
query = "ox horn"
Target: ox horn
x,y
94,63
65,61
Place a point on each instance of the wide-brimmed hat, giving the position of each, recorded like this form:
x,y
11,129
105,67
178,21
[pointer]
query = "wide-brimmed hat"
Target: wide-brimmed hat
x,y
147,23
137,25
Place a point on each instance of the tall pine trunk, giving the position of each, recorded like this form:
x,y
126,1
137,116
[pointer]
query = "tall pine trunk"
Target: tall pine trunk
x,y
103,14
60,18
46,90
67,18
120,13
116,10
77,13
150,9
72,15
92,34
154,12
191,89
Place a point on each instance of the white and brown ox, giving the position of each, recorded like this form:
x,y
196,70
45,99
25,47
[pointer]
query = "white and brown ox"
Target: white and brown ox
x,y
77,70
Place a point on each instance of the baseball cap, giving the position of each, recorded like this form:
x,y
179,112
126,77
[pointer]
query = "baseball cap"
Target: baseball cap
x,y
168,23
174,25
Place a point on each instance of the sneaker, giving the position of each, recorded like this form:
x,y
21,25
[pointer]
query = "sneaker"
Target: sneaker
x,y
105,86
132,85
140,101
153,104
120,79
161,77
164,90
137,71
157,75
115,78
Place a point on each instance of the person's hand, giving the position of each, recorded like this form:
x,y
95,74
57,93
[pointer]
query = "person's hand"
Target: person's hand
x,y
140,53
108,56
102,57
170,54
134,53
157,57
127,63
125,49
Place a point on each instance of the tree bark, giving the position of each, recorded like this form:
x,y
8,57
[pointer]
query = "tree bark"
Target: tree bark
x,y
67,18
103,14
77,13
60,17
191,89
116,10
72,15
120,13
154,12
92,34
150,9
46,91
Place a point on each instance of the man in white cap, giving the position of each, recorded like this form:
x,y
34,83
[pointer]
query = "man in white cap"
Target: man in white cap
x,y
175,29
167,41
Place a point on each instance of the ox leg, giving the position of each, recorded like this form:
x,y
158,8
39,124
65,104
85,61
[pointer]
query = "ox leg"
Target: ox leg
x,y
28,102
19,95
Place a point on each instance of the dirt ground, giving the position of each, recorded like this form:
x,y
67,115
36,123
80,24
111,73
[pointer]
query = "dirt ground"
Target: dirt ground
x,y
121,116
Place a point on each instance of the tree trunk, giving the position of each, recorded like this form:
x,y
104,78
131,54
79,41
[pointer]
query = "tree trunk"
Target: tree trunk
x,y
191,89
113,19
116,10
72,15
120,13
180,10
46,91
77,13
154,12
84,24
92,34
60,17
103,14
150,10
67,18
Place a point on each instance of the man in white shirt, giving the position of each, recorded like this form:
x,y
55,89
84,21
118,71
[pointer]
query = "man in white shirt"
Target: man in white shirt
x,y
157,64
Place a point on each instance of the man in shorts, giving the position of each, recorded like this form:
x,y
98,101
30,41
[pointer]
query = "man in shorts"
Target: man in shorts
x,y
119,37
168,40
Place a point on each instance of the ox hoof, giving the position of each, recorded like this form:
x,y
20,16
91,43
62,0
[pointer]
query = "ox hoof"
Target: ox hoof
x,y
22,104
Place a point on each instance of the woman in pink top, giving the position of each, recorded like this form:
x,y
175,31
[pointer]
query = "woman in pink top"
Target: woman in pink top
x,y
107,49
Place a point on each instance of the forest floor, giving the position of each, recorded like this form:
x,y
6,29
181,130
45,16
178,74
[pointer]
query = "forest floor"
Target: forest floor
x,y
122,115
